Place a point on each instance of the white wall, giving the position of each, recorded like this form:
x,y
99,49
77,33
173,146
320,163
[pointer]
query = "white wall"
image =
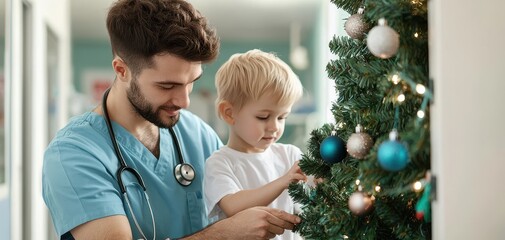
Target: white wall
x,y
330,21
13,98
467,64
28,89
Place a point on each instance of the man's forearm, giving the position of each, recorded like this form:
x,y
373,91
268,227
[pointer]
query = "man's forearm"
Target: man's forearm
x,y
215,231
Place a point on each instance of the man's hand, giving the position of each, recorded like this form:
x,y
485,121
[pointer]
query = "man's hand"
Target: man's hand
x,y
260,223
257,223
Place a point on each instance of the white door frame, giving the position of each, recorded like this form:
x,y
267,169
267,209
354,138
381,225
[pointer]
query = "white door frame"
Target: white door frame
x,y
13,113
467,65
25,150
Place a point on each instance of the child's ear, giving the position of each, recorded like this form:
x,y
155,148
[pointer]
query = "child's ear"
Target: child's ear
x,y
225,109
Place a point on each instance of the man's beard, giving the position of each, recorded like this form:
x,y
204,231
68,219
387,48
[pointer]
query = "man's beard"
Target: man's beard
x,y
145,109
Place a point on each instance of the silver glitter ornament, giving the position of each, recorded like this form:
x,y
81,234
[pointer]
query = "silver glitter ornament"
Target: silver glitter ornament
x,y
355,26
359,143
382,40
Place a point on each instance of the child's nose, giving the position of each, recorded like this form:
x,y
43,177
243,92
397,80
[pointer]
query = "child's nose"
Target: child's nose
x,y
273,125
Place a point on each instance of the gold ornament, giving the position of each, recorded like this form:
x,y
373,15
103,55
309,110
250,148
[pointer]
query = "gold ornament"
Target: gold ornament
x,y
355,26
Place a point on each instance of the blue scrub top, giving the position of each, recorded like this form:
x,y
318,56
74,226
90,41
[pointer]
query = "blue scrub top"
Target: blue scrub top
x,y
80,185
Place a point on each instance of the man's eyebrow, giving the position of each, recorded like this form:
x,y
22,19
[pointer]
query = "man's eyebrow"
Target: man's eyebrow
x,y
199,76
169,82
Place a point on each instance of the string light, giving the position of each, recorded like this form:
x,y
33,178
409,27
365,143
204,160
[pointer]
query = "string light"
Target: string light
x,y
420,114
421,89
418,186
401,98
396,79
357,181
416,35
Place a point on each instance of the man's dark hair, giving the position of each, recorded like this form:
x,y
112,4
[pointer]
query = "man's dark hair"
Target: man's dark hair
x,y
140,29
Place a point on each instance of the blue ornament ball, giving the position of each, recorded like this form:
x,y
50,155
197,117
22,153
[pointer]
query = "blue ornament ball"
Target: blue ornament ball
x,y
393,156
333,149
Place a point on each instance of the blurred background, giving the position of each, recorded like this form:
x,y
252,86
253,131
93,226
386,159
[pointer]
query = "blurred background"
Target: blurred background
x,y
292,29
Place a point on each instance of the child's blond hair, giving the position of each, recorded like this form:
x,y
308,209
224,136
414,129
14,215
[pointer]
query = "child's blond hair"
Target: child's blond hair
x,y
248,76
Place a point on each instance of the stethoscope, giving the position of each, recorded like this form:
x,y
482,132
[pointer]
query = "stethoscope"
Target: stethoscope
x,y
184,172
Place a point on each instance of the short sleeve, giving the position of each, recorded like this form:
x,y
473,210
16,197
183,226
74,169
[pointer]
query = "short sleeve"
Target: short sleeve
x,y
77,186
219,181
296,153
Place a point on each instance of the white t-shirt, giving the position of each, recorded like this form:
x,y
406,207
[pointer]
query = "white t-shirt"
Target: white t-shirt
x,y
228,171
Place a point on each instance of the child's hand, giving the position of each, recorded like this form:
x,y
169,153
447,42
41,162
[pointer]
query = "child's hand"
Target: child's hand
x,y
311,181
294,174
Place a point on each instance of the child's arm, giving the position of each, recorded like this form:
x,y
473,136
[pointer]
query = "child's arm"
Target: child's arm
x,y
262,196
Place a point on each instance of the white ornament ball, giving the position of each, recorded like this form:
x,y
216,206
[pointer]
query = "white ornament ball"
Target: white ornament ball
x,y
359,145
360,203
383,41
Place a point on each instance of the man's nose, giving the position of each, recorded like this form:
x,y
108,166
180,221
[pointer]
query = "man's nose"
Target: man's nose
x,y
182,97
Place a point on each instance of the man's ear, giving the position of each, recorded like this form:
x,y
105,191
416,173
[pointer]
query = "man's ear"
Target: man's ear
x,y
121,69
225,109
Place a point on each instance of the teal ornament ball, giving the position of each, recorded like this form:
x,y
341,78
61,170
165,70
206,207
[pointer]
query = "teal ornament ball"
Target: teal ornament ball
x,y
393,155
333,149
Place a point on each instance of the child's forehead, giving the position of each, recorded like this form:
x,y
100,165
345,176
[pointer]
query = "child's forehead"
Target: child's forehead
x,y
267,103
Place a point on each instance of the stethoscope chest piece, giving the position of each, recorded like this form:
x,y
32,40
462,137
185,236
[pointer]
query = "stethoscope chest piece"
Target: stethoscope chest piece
x,y
184,174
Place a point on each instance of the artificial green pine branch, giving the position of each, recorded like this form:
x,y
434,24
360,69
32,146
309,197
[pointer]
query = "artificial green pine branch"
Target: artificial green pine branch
x,y
345,47
348,6
366,95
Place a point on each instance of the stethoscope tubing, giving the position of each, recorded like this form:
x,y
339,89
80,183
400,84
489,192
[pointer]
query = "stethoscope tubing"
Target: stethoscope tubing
x,y
184,173
123,166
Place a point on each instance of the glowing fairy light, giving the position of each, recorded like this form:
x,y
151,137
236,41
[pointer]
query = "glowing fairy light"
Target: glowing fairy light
x,y
418,186
396,79
401,98
420,114
421,89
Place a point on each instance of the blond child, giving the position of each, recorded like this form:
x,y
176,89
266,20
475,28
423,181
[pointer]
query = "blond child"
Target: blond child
x,y
255,93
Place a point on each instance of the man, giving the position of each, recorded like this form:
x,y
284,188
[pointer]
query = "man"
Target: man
x,y
158,47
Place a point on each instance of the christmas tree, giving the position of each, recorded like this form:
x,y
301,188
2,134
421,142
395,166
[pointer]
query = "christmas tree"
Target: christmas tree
x,y
373,161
